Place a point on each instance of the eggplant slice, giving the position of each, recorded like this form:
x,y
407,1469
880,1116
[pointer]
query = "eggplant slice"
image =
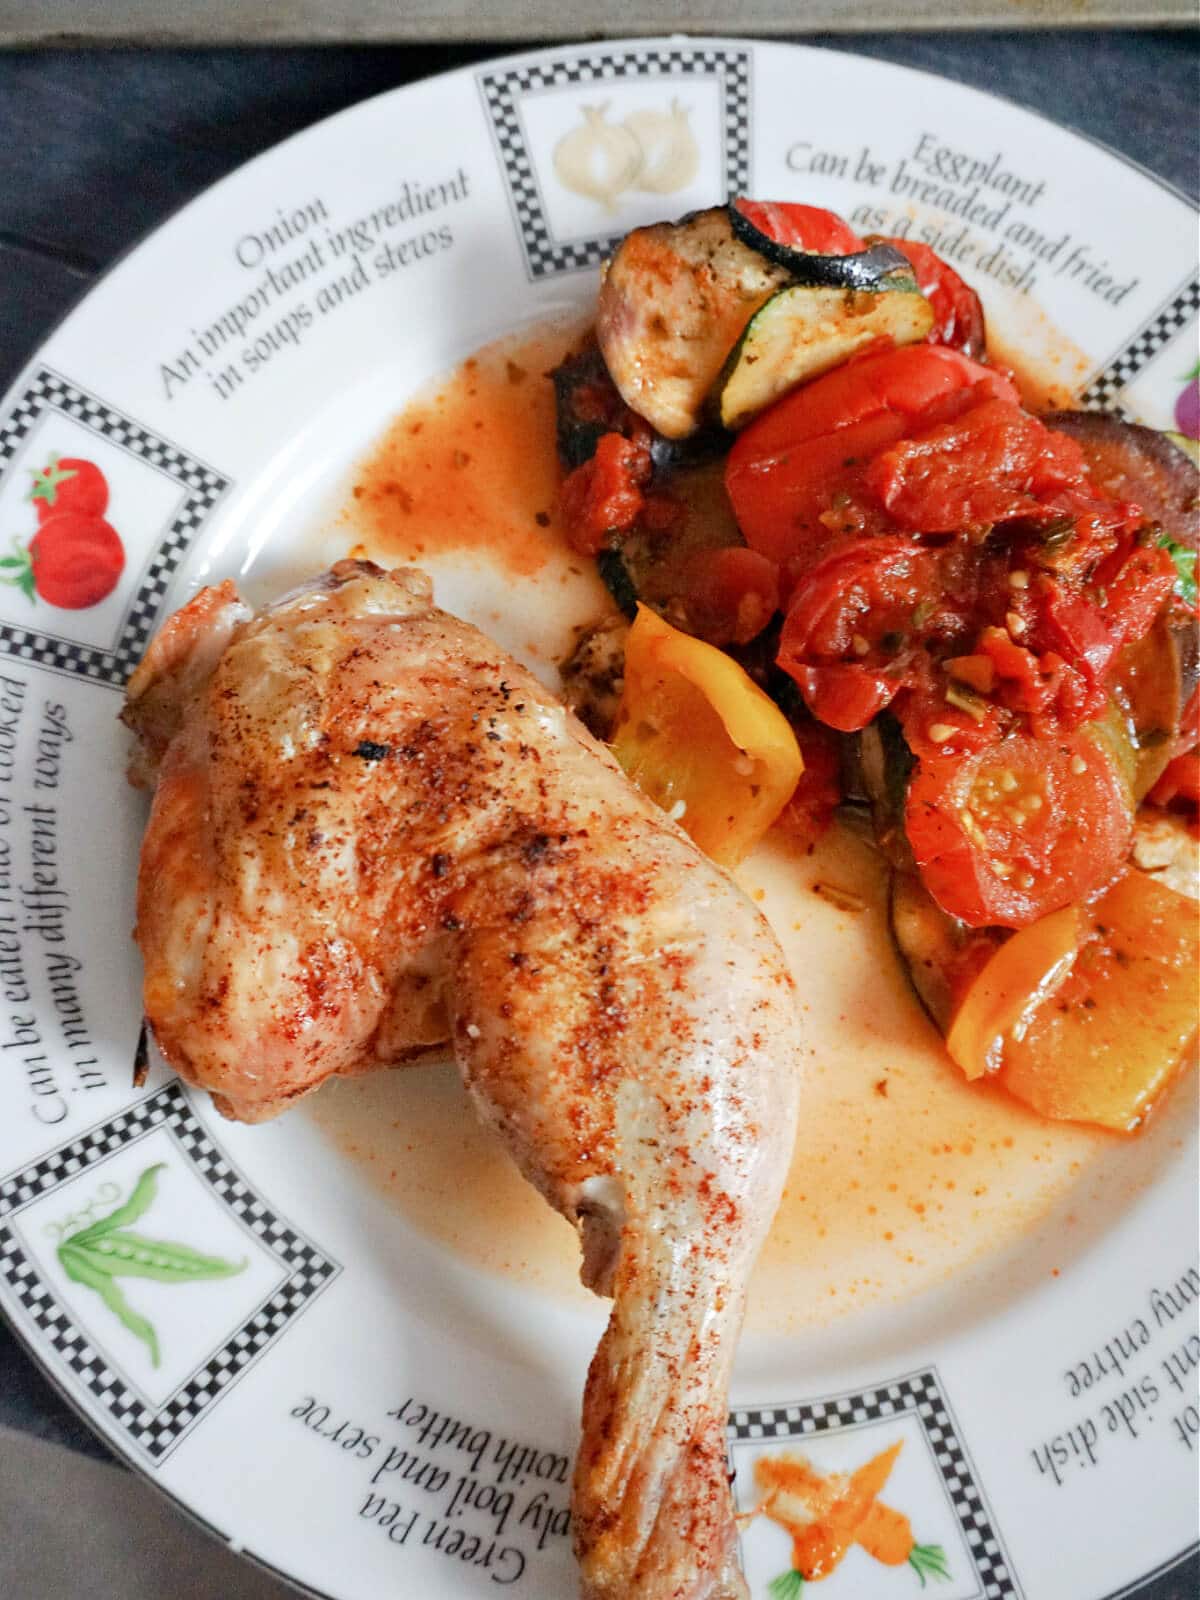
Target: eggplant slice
x,y
673,303
1130,462
587,406
1139,464
648,563
678,297
593,676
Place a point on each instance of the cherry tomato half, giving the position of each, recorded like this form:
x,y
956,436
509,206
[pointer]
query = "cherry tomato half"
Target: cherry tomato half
x,y
728,595
1021,828
956,307
791,467
849,623
602,498
991,464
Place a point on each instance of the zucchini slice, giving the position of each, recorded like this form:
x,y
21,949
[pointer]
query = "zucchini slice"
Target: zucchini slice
x,y
618,580
864,269
1149,688
802,332
939,954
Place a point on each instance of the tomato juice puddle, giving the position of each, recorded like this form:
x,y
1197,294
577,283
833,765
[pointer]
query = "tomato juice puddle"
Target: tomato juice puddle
x,y
471,466
903,1173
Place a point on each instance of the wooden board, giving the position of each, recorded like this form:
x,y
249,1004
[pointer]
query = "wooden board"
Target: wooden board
x,y
47,22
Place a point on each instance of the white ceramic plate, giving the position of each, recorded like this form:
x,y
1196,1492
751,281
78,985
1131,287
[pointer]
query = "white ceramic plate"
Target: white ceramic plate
x,y
369,1382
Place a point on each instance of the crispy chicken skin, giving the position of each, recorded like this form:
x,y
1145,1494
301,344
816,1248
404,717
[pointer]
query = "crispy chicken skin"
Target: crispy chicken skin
x,y
372,832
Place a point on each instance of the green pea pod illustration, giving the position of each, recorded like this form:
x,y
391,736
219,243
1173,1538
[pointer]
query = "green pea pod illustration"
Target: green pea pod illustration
x,y
135,1207
77,1268
96,1256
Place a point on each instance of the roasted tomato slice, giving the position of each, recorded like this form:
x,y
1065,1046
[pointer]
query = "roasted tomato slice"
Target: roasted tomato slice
x,y
790,472
991,464
728,595
956,306
1012,832
602,498
848,624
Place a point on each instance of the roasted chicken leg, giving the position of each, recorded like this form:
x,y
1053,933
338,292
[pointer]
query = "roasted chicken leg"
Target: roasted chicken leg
x,y
372,832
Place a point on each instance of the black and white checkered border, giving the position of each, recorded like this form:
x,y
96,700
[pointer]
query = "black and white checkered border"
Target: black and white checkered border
x,y
502,87
157,1431
202,488
1103,390
919,1394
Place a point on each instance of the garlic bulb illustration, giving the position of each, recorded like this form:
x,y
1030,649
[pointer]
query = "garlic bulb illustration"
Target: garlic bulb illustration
x,y
599,159
670,155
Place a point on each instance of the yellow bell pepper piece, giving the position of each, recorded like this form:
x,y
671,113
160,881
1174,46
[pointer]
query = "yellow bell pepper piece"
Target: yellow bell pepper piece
x,y
1023,971
703,740
1109,1042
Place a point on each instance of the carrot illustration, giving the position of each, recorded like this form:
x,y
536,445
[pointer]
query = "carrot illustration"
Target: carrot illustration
x,y
828,1513
886,1534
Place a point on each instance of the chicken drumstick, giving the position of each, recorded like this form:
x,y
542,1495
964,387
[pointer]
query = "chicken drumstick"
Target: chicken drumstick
x,y
373,832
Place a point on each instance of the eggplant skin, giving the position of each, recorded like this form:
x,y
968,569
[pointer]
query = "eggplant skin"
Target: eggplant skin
x,y
872,268
1139,464
588,406
1185,636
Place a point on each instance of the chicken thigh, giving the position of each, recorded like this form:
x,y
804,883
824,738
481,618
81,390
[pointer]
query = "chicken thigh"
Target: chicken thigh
x,y
372,833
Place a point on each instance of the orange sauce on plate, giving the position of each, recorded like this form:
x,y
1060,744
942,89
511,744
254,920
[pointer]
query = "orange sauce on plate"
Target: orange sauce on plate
x,y
471,465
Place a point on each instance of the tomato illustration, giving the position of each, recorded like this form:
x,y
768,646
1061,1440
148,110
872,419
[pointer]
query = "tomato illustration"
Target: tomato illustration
x,y
69,483
75,557
73,561
76,560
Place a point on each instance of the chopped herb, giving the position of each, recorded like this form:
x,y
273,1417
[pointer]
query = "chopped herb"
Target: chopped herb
x,y
1185,567
1056,535
967,700
843,899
